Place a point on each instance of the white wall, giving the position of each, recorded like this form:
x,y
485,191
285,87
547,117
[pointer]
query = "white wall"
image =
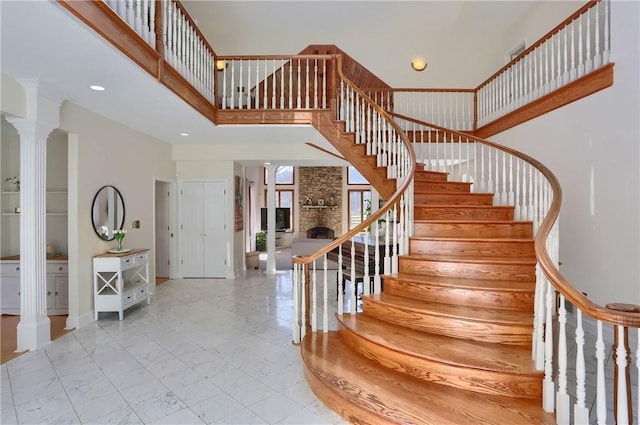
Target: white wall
x,y
103,152
597,138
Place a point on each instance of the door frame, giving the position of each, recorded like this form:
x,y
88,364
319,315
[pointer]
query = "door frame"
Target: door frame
x,y
173,272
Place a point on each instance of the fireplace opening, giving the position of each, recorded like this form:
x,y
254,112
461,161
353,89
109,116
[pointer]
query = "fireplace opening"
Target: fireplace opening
x,y
320,232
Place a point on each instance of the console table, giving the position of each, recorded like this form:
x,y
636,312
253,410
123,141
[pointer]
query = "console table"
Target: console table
x,y
120,281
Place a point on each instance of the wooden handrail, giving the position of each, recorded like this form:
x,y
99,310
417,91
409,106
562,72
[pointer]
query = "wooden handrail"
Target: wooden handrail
x,y
394,199
193,24
577,298
541,41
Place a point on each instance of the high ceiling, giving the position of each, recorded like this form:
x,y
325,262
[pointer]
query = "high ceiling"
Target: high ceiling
x,y
41,40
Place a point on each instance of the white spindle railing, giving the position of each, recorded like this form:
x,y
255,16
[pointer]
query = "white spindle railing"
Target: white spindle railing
x,y
389,144
558,329
580,45
268,82
562,56
139,15
186,50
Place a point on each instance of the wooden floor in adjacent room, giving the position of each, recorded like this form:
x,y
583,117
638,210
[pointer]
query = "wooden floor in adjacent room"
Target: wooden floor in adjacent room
x,y
8,324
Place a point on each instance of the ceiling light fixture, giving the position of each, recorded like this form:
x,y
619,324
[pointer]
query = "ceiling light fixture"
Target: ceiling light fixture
x,y
221,64
419,64
96,88
184,134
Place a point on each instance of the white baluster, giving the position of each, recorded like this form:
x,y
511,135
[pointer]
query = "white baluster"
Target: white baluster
x,y
340,283
589,61
353,283
598,55
562,398
307,98
607,47
325,296
580,411
152,23
266,85
314,302
315,84
282,86
537,346
548,385
297,331
581,65
257,92
601,391
232,89
274,85
240,87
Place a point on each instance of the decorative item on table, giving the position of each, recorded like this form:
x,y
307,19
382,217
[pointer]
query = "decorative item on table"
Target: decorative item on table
x,y
321,202
119,234
309,201
14,180
104,233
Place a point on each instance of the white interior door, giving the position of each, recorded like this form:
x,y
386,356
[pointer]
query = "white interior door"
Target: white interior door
x,y
203,229
214,229
192,245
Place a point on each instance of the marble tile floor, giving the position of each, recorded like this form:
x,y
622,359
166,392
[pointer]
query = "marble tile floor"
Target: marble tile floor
x,y
204,351
209,351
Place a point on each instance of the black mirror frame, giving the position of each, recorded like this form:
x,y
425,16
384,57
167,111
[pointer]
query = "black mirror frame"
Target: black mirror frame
x,y
93,203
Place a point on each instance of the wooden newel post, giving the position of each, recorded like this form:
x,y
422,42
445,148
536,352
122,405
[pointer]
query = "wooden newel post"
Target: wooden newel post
x,y
159,30
622,332
307,298
333,84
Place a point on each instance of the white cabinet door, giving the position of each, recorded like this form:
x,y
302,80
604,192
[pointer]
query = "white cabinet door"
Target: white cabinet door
x,y
214,229
203,238
10,294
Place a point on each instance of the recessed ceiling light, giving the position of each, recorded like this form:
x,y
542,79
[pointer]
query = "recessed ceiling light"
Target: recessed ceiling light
x,y
184,134
96,88
267,163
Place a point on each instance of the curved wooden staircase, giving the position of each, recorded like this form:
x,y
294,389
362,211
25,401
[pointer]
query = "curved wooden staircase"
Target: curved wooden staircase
x,y
448,341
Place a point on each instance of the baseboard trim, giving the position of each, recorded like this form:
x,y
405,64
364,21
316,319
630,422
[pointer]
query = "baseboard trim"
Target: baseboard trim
x,y
75,322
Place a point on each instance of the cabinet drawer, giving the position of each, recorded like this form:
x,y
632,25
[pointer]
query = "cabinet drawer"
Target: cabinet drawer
x,y
10,269
62,268
141,258
128,299
142,292
126,262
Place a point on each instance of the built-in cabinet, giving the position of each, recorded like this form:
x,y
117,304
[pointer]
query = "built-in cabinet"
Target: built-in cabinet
x,y
203,229
120,281
57,287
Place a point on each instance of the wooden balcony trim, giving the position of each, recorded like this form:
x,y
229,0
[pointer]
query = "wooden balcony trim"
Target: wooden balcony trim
x,y
177,84
102,19
591,83
267,116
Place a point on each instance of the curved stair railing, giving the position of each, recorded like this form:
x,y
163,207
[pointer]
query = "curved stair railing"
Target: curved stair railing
x,y
521,181
370,127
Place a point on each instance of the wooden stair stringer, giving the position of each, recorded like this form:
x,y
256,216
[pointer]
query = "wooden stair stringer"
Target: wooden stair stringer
x,y
354,153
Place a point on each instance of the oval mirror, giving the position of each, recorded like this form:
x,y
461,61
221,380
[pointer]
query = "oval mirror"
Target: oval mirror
x,y
107,212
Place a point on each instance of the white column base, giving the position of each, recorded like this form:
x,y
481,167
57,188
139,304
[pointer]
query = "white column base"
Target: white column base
x,y
33,333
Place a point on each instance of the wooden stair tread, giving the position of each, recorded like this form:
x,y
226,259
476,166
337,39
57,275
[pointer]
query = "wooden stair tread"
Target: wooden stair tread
x,y
477,259
476,314
483,240
365,392
444,349
465,283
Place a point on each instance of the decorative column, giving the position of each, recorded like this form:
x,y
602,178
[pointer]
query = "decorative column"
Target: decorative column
x,y
41,118
271,218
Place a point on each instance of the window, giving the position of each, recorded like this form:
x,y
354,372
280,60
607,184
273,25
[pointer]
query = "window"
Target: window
x,y
359,206
284,198
354,176
284,175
